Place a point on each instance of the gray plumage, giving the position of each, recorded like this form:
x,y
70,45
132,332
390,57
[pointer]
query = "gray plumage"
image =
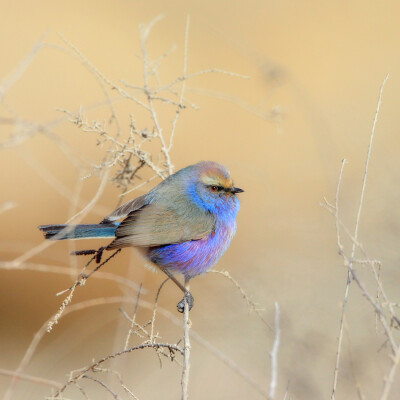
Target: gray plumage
x,y
165,215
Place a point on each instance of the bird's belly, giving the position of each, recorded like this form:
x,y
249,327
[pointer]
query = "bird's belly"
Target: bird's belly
x,y
193,257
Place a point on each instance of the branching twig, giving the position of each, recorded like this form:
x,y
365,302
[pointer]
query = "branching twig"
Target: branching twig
x,y
129,150
171,347
80,281
348,261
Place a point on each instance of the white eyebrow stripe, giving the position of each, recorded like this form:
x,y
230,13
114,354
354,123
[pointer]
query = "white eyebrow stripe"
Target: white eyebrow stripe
x,y
208,180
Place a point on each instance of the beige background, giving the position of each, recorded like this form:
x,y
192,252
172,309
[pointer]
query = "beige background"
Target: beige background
x,y
317,66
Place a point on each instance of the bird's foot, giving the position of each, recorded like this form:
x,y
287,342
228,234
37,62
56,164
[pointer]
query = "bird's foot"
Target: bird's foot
x,y
187,298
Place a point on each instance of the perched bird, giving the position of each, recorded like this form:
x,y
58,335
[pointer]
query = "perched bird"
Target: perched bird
x,y
183,225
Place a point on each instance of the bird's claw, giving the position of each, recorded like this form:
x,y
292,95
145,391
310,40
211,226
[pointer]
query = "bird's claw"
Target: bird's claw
x,y
187,298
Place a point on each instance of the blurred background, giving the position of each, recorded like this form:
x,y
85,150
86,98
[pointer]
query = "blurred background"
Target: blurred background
x,y
315,69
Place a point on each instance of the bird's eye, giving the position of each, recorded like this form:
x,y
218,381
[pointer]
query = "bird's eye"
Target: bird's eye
x,y
214,188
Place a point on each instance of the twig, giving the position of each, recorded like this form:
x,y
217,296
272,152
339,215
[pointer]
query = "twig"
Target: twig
x,y
181,96
20,69
101,383
38,336
250,303
348,280
206,71
56,269
8,205
119,377
76,218
153,317
236,368
186,347
232,365
170,347
273,355
350,272
389,379
30,378
144,32
133,319
80,281
352,367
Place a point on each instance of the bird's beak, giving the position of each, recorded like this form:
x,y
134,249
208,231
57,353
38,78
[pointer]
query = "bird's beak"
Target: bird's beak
x,y
235,190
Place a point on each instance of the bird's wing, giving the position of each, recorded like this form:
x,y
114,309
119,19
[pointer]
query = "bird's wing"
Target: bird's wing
x,y
126,209
156,225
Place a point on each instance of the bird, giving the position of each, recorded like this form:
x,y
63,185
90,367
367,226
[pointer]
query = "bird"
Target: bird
x,y
182,226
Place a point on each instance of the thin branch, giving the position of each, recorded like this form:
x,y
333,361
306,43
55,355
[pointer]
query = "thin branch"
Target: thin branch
x,y
20,69
119,377
128,336
350,272
181,96
206,71
352,367
348,280
38,336
273,355
80,281
250,303
170,347
76,218
30,378
186,347
364,183
7,206
215,351
390,378
101,383
56,269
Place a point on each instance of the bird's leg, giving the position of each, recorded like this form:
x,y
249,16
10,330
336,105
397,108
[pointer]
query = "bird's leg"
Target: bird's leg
x,y
187,296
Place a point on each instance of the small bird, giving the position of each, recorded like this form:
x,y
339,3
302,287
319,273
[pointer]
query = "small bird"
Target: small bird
x,y
183,225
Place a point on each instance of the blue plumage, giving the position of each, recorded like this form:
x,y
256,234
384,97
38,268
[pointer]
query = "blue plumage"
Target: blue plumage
x,y
89,231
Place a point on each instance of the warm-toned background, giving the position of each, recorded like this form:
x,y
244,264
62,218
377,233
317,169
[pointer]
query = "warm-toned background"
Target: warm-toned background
x,y
317,68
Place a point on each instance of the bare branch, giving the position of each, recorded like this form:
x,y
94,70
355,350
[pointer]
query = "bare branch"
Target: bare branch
x,y
250,303
20,69
186,347
273,355
30,378
133,319
171,347
349,261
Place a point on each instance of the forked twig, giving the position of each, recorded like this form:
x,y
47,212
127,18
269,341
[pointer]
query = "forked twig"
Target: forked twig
x,y
80,281
170,347
349,262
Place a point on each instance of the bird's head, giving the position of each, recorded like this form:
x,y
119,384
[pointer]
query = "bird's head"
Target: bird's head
x,y
215,187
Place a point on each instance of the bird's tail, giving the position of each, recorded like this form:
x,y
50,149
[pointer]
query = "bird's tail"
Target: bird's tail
x,y
90,231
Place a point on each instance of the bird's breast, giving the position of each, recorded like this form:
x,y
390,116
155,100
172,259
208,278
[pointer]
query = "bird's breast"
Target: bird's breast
x,y
196,256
